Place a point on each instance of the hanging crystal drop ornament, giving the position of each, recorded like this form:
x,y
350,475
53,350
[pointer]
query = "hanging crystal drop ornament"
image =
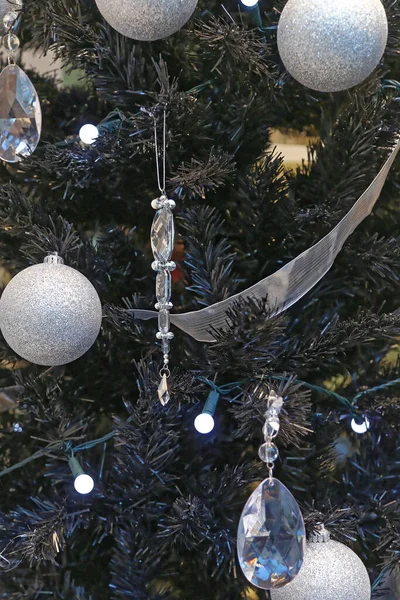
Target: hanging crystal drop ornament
x,y
162,240
271,534
20,112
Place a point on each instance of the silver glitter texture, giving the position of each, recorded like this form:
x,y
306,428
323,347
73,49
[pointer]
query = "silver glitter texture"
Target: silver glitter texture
x,y
330,571
146,20
50,314
332,45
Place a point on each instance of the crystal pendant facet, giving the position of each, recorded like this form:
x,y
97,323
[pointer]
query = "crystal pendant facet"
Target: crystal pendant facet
x,y
163,393
271,536
163,287
163,235
20,115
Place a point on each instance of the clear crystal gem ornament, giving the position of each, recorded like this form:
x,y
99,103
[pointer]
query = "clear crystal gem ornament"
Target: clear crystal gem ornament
x,y
271,536
268,452
163,234
11,42
163,392
163,287
271,426
9,19
163,321
275,402
20,115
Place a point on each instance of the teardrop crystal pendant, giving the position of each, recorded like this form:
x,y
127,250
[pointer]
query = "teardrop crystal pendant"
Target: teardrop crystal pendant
x,y
163,393
271,536
20,115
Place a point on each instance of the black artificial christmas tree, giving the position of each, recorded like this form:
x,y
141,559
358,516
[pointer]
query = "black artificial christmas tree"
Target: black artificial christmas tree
x,y
161,521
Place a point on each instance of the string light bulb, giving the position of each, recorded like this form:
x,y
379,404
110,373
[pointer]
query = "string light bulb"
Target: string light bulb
x,y
249,3
360,424
88,133
83,483
204,422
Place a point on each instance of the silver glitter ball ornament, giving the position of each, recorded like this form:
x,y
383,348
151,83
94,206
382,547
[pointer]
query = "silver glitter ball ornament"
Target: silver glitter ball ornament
x,y
146,20
50,314
330,571
332,45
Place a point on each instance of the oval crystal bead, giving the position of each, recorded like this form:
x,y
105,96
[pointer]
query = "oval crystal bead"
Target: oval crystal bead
x,y
163,235
271,536
163,321
20,115
271,427
163,287
9,19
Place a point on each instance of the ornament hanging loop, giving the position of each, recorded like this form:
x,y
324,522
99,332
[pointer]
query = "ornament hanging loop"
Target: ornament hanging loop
x,y
161,179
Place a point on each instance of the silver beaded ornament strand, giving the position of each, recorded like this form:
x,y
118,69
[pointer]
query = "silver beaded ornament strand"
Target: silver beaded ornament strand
x,y
162,245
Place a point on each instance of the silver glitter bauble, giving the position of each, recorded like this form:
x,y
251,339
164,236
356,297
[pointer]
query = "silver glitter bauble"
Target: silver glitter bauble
x,y
330,571
50,314
146,20
332,45
8,6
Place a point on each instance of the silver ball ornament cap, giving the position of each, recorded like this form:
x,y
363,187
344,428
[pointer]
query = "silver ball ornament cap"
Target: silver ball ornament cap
x,y
332,45
50,314
330,571
146,20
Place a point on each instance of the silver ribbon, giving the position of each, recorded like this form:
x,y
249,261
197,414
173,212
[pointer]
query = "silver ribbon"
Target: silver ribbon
x,y
285,287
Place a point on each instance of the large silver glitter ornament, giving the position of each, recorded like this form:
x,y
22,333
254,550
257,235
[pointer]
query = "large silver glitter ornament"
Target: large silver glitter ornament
x,y
147,20
332,45
330,571
50,314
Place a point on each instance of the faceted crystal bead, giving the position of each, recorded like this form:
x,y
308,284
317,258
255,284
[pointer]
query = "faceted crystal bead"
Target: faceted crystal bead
x,y
11,42
268,452
20,115
271,427
275,402
271,536
163,234
163,392
163,321
163,287
165,345
9,19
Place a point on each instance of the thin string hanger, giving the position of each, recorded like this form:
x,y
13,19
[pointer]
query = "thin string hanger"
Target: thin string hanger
x,y
161,186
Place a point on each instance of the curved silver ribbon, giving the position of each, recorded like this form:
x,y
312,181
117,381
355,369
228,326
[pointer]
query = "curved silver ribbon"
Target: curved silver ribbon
x,y
285,287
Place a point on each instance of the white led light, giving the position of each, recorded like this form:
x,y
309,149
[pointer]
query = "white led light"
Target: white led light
x,y
360,426
88,133
84,484
249,3
204,422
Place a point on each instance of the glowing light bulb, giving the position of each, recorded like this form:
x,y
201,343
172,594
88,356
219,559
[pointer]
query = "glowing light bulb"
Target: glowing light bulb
x,y
360,424
249,3
84,484
204,422
88,133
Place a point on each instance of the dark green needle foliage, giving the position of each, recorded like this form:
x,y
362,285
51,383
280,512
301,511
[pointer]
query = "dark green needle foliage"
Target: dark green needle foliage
x,y
161,521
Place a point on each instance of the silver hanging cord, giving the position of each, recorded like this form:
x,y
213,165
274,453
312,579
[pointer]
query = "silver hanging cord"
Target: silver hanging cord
x,y
164,152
